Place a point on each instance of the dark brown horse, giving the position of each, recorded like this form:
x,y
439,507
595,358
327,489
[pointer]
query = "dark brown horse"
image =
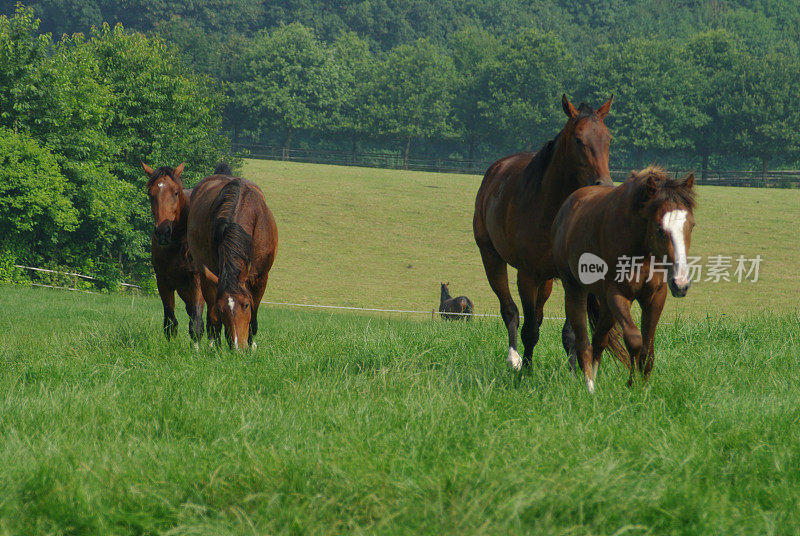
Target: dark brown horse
x,y
232,242
643,226
514,210
169,203
459,308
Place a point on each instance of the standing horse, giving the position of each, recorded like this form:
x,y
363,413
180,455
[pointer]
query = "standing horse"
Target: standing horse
x,y
514,210
232,242
448,305
169,203
650,218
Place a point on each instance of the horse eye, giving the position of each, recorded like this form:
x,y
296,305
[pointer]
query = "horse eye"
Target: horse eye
x,y
245,306
175,194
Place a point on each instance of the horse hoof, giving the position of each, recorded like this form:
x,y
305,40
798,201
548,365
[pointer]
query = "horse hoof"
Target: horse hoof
x,y
590,386
254,345
514,361
196,345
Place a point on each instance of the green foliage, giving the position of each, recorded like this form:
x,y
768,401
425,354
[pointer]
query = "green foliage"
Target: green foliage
x,y
412,91
533,70
95,108
35,213
653,84
289,81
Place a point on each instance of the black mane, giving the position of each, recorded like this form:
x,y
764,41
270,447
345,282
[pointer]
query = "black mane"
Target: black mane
x,y
223,169
534,171
233,244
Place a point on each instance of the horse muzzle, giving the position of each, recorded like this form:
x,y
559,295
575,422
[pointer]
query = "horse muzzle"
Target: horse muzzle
x,y
163,234
679,287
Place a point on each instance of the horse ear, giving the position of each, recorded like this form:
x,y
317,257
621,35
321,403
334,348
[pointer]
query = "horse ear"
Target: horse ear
x,y
178,171
602,112
688,182
147,169
209,275
569,109
651,187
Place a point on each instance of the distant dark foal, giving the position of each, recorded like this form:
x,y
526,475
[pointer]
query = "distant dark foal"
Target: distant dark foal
x,y
644,225
169,203
461,306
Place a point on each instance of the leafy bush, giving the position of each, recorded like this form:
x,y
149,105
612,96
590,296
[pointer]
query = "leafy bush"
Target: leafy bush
x,y
35,212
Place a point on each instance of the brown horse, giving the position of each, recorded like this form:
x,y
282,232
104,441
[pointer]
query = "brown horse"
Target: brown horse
x,y
514,210
461,306
648,217
232,242
169,203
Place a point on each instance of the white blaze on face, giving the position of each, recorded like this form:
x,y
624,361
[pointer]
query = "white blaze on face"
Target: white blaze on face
x,y
231,303
673,223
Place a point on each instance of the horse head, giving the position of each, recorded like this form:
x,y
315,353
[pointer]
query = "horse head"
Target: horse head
x,y
167,203
667,206
587,141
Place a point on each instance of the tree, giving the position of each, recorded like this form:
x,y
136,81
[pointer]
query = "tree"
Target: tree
x,y
533,70
412,93
288,80
35,212
652,83
769,117
474,53
717,60
353,69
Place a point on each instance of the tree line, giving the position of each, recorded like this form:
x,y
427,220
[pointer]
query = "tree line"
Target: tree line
x,y
465,79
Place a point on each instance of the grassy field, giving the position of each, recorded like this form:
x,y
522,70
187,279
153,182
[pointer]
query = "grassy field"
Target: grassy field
x,y
375,238
344,423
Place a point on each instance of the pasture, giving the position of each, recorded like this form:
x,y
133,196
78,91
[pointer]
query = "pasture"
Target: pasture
x,y
386,238
396,424
344,423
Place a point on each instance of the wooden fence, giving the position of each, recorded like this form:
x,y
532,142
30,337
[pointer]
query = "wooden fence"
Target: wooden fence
x,y
770,179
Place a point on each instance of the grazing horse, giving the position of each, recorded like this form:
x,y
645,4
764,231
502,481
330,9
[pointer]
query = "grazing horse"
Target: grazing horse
x,y
448,305
649,217
169,203
232,242
514,211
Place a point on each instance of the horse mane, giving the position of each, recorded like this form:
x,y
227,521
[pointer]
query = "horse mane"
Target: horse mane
x,y
162,171
534,171
668,190
233,244
223,169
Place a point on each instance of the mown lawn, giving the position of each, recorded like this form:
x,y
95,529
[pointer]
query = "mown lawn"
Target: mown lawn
x,y
343,423
376,238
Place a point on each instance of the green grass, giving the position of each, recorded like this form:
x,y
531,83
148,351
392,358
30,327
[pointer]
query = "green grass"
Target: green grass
x,y
344,423
371,238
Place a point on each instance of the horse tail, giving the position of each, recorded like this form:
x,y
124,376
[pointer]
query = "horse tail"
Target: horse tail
x,y
468,308
616,344
223,169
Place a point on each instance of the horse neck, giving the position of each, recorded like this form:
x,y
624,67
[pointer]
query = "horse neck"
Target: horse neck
x,y
183,217
445,295
562,177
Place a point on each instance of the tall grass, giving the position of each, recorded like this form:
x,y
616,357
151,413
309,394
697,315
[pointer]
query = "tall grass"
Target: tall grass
x,y
354,424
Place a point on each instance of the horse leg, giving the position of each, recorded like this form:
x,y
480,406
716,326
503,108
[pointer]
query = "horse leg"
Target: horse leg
x,y
497,274
192,296
530,293
168,300
213,323
602,328
257,293
620,308
652,306
575,309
